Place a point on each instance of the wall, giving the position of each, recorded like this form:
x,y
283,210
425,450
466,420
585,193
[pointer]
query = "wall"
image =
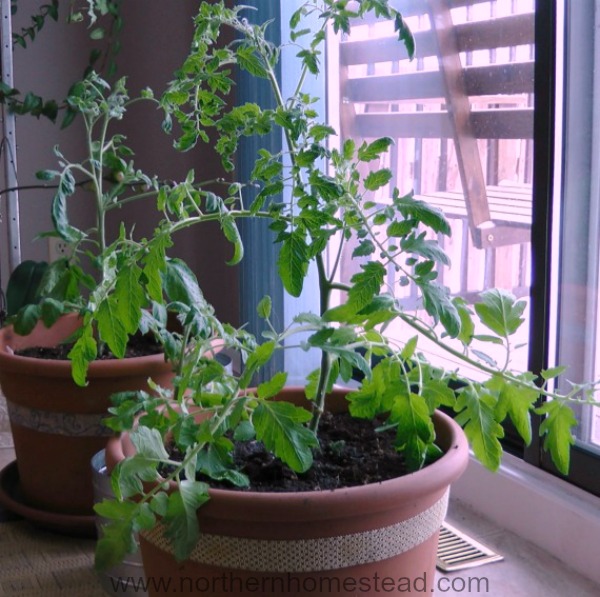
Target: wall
x,y
154,40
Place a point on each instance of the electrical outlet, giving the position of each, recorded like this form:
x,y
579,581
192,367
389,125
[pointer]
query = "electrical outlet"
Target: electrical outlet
x,y
57,248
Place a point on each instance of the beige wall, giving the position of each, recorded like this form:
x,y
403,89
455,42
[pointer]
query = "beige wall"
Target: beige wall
x,y
154,40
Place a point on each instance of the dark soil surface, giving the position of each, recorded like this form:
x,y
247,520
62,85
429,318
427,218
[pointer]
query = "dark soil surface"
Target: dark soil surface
x,y
138,346
352,453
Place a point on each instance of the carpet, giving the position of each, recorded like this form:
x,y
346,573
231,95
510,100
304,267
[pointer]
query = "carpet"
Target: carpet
x,y
36,563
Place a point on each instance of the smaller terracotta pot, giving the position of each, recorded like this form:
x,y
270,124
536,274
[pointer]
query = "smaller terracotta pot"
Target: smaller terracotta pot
x,y
57,425
357,540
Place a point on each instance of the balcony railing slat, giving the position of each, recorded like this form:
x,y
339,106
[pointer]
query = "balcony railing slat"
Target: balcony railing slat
x,y
493,79
502,32
508,123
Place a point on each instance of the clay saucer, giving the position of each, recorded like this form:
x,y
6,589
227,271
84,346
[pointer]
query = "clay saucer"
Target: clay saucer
x,y
68,524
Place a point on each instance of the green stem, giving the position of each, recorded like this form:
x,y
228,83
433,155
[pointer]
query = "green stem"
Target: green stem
x,y
324,295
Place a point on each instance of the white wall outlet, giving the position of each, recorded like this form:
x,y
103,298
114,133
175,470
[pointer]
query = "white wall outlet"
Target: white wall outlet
x,y
57,248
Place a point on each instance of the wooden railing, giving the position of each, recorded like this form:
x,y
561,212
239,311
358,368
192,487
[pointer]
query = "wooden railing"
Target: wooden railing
x,y
461,115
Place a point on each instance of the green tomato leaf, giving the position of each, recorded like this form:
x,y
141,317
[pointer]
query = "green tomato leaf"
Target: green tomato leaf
x,y
279,425
411,414
477,414
181,517
149,443
556,429
517,402
232,234
264,307
181,284
368,152
439,305
129,297
271,388
437,393
84,351
292,263
118,537
500,311
27,319
110,327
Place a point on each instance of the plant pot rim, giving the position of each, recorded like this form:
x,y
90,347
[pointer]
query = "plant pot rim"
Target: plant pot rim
x,y
434,477
62,368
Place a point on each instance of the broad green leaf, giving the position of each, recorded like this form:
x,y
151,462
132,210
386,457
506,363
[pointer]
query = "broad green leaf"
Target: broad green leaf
x,y
366,285
181,517
476,413
51,310
437,393
215,462
84,351
364,249
60,219
373,397
467,327
415,432
126,479
117,538
154,264
24,285
553,372
421,211
516,402
149,443
409,349
405,35
244,432
232,234
292,263
264,307
556,429
401,229
348,149
271,388
368,152
27,319
500,311
181,284
260,356
378,179
429,249
129,297
279,425
250,62
439,305
110,327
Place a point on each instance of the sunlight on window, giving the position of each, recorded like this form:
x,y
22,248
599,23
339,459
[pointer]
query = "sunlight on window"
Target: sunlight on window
x,y
461,117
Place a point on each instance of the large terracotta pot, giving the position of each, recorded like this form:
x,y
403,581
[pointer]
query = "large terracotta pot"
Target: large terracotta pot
x,y
57,425
359,540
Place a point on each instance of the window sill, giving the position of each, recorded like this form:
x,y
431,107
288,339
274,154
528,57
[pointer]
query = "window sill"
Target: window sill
x,y
549,512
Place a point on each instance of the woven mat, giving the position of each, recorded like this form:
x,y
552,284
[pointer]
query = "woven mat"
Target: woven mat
x,y
36,563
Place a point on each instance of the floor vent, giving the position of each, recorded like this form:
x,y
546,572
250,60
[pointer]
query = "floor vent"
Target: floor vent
x,y
457,551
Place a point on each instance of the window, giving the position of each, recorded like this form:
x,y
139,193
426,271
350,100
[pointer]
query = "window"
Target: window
x,y
576,255
520,128
462,117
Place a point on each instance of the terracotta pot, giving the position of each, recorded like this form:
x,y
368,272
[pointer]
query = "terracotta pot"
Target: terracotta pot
x,y
359,540
57,425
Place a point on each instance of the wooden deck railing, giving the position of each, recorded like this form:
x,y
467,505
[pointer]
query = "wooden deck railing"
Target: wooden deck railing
x,y
461,115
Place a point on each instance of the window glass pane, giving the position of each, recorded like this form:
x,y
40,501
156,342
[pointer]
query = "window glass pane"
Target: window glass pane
x,y
579,210
461,117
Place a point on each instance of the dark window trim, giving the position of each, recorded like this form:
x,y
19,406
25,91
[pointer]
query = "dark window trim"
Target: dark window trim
x,y
585,464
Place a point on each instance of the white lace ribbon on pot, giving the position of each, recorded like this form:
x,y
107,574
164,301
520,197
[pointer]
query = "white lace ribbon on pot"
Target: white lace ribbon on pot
x,y
310,555
56,423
